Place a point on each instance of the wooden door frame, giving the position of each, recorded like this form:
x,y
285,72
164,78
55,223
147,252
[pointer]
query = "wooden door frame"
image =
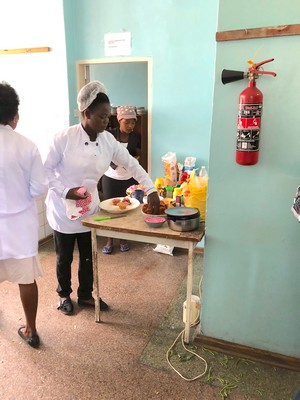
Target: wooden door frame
x,y
82,79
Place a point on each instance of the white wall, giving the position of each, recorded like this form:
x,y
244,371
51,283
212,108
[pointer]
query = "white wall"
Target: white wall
x,y
40,79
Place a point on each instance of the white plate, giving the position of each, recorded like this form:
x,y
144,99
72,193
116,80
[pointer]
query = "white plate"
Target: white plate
x,y
106,205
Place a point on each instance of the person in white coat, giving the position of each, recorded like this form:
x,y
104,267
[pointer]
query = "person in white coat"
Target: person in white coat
x,y
77,159
23,178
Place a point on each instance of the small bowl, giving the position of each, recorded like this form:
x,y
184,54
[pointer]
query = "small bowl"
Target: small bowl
x,y
155,222
154,215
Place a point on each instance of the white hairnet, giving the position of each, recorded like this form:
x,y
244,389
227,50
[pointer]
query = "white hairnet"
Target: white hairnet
x,y
88,93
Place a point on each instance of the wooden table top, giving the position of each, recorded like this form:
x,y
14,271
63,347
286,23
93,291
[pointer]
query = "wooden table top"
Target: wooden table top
x,y
133,222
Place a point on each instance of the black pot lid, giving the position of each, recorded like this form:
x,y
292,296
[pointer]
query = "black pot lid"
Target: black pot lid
x,y
182,212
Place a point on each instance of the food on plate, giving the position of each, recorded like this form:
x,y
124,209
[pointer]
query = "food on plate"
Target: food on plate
x,y
132,188
115,202
121,203
162,207
126,200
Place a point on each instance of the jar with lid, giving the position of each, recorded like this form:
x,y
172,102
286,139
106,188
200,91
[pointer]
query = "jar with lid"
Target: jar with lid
x,y
169,190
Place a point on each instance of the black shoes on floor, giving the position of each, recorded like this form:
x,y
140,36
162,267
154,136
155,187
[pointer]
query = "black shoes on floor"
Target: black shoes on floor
x,y
33,341
66,306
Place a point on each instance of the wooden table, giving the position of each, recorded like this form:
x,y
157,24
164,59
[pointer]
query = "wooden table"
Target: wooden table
x,y
133,227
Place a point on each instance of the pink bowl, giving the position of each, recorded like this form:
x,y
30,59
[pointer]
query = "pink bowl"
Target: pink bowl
x,y
154,222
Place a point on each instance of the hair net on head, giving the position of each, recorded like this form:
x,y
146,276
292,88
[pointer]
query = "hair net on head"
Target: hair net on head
x,y
88,93
126,112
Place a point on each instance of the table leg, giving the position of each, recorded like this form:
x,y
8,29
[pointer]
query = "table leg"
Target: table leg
x,y
95,275
189,286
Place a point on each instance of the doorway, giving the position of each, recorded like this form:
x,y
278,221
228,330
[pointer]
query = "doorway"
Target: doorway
x,y
128,81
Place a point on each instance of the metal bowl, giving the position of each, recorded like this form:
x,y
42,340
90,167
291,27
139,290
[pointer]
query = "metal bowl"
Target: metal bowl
x,y
184,225
183,219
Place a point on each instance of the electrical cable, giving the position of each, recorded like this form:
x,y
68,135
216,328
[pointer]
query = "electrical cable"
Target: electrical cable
x,y
181,334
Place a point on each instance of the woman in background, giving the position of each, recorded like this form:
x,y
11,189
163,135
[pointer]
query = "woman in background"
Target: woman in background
x,y
78,157
22,179
117,179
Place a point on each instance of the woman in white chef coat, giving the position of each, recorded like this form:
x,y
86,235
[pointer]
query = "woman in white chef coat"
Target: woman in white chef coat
x,y
22,179
78,157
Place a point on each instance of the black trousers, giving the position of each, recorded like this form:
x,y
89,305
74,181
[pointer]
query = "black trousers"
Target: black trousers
x,y
64,248
115,187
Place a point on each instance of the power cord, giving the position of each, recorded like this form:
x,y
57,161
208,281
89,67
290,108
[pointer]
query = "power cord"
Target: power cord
x,y
181,334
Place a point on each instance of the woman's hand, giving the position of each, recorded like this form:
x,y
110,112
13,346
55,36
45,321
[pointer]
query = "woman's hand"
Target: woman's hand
x,y
153,203
73,194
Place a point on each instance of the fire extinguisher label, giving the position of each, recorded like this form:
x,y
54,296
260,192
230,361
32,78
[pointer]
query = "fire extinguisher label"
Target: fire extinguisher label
x,y
248,129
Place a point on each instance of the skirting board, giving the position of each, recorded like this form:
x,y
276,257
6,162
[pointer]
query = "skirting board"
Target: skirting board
x,y
45,239
199,250
262,356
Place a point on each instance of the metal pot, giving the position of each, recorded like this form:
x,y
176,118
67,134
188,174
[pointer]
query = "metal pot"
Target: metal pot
x,y
183,219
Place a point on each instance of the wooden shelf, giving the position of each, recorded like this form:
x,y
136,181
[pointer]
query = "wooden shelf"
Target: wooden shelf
x,y
26,50
269,31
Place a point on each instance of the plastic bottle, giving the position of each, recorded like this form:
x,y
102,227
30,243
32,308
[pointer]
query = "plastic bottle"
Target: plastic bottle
x,y
169,190
176,192
159,183
203,172
178,201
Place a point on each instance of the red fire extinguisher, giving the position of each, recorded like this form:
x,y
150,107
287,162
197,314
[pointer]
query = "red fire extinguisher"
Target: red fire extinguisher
x,y
250,112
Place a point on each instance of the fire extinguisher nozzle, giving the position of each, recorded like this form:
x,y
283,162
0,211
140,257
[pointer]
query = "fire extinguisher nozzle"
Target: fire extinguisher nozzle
x,y
229,76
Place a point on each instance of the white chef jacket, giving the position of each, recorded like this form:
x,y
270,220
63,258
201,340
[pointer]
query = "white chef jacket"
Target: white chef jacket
x,y
22,178
119,173
73,160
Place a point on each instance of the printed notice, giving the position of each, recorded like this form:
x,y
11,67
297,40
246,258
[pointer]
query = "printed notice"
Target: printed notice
x,y
117,44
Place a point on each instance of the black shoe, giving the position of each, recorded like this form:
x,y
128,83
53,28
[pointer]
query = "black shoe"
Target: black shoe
x,y
66,306
91,303
33,341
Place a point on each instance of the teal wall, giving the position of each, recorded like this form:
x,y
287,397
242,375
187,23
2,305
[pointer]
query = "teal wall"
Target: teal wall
x,y
251,269
251,278
126,83
180,38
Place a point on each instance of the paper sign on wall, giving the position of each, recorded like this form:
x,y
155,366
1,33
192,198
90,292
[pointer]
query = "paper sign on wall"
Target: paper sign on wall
x,y
117,44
